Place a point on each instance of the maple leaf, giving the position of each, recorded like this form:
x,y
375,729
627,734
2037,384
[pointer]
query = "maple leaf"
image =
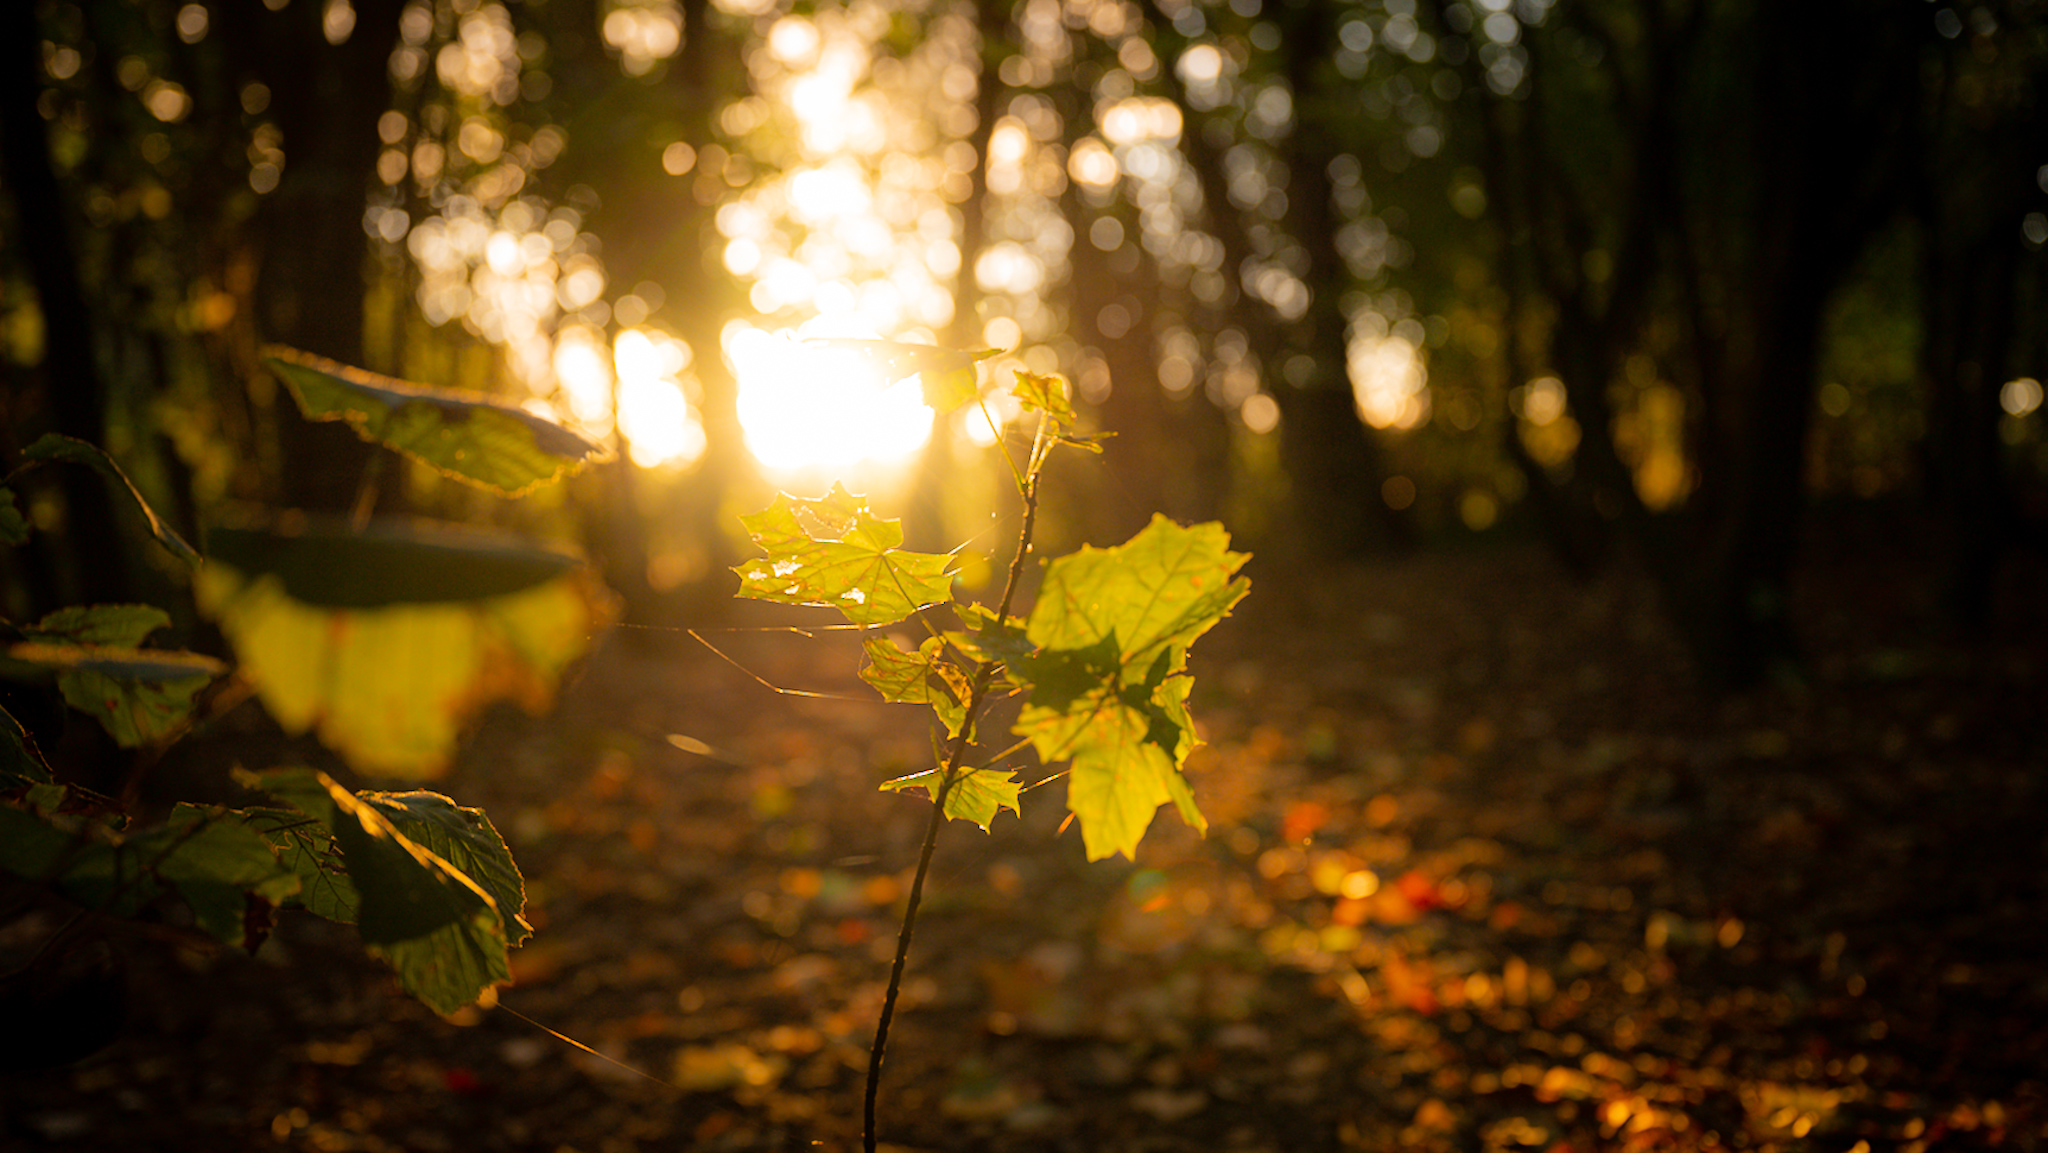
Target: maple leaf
x,y
1048,394
990,640
1109,695
908,678
976,795
832,552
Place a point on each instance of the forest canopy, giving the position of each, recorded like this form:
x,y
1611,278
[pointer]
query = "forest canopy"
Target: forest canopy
x,y
1635,276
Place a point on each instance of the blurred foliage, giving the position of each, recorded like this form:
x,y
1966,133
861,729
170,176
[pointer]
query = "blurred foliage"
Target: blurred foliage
x,y
1235,227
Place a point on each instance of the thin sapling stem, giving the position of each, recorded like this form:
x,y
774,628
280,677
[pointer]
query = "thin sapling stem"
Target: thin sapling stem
x,y
984,675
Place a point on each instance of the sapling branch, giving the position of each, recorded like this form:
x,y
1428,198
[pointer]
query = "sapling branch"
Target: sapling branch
x,y
984,676
1102,658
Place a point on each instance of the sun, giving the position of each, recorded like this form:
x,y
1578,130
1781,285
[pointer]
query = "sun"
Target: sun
x,y
806,407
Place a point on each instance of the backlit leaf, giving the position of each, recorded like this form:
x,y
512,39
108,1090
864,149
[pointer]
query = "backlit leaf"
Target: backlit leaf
x,y
988,639
947,375
54,447
1112,628
392,688
138,695
922,677
1164,587
1048,394
438,928
465,839
1125,751
976,796
307,848
463,435
831,552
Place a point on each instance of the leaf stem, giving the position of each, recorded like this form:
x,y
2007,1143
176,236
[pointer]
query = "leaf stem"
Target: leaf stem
x,y
984,675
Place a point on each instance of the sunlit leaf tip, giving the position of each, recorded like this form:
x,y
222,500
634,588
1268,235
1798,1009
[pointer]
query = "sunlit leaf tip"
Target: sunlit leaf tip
x,y
467,436
1049,394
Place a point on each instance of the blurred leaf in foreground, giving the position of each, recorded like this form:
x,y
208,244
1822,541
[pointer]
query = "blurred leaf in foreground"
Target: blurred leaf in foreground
x,y
467,436
391,687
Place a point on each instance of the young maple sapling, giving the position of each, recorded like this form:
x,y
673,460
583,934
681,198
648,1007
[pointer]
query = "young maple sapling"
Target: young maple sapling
x,y
1100,660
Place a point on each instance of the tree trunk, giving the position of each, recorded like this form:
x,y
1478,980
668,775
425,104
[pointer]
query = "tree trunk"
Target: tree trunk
x,y
309,292
85,561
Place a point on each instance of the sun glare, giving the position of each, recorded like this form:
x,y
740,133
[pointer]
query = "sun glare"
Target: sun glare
x,y
802,406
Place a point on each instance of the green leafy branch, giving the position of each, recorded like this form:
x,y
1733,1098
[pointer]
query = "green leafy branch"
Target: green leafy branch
x,y
430,886
1101,660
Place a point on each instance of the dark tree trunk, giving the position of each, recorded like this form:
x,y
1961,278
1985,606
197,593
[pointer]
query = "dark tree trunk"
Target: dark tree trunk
x,y
1970,323
325,99
1328,450
1335,465
86,561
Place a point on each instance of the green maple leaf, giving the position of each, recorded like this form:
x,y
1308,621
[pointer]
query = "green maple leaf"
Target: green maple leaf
x,y
977,795
1112,627
990,639
831,552
1164,587
920,678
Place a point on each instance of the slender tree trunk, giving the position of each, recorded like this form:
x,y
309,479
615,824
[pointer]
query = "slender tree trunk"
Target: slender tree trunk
x,y
85,561
1969,326
325,99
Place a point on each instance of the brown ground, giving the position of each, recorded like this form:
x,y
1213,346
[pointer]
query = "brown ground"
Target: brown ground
x,y
1485,871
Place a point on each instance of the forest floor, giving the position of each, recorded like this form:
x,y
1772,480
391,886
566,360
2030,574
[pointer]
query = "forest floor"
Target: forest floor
x,y
1485,871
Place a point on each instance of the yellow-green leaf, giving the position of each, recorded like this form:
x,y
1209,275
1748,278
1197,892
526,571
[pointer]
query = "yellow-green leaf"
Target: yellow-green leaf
x,y
392,688
1048,394
977,795
831,552
1111,629
922,677
464,435
137,695
1164,587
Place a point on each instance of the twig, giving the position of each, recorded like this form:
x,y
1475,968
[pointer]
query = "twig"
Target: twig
x,y
977,696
